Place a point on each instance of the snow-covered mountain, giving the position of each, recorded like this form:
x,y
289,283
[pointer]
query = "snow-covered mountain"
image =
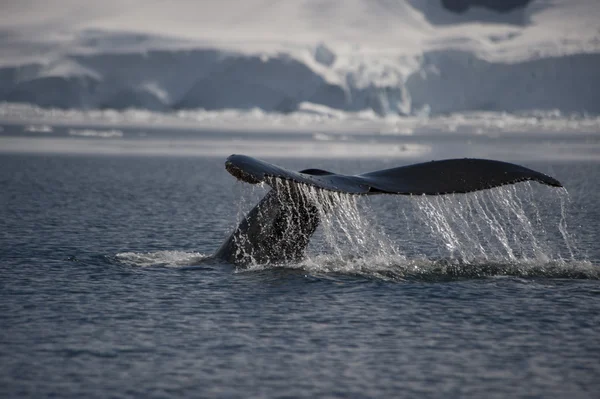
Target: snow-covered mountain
x,y
411,57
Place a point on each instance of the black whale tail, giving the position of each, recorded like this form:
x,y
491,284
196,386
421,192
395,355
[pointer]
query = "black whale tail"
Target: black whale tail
x,y
279,228
429,178
276,230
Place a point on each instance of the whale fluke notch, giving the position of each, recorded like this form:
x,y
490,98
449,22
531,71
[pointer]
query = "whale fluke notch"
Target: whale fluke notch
x,y
279,227
429,178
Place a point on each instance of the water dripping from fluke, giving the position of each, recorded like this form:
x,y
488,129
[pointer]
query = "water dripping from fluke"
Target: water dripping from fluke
x,y
510,230
495,233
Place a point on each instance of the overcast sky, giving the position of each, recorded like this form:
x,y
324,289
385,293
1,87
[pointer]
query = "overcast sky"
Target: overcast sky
x,y
299,21
372,23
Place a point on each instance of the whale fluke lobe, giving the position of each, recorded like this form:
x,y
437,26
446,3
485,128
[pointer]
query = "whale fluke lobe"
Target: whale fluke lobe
x,y
429,178
279,228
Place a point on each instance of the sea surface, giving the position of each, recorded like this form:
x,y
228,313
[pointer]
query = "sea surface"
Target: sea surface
x,y
108,288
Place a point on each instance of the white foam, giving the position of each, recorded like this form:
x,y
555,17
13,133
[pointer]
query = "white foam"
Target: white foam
x,y
161,258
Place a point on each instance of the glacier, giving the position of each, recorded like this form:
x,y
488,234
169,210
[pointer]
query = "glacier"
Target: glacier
x,y
379,59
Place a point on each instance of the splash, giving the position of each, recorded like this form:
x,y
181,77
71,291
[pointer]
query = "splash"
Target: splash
x,y
506,224
348,228
289,218
160,258
565,200
517,230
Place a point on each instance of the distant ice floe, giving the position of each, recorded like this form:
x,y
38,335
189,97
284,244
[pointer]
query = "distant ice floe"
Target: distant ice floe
x,y
322,137
105,134
324,123
38,129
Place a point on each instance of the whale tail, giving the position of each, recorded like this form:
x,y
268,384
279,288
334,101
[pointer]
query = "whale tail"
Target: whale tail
x,y
429,178
279,227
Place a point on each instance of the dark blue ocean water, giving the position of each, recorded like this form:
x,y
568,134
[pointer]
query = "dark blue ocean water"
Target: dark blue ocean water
x,y
106,289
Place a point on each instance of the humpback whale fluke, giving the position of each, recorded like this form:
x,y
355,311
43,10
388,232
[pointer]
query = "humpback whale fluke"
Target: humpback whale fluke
x,y
279,228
